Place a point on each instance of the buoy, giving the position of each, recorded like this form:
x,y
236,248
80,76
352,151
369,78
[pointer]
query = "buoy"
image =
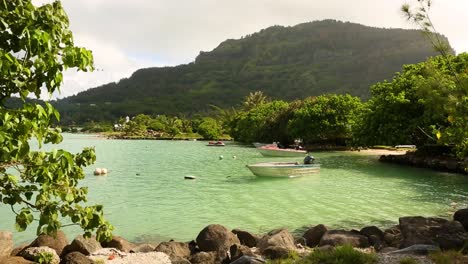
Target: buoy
x,y
234,157
190,177
221,157
100,171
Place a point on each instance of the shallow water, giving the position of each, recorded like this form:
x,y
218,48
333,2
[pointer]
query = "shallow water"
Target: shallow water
x,y
147,199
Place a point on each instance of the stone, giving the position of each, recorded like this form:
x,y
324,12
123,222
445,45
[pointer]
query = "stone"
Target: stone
x,y
204,258
387,250
118,243
248,260
417,249
57,241
314,234
274,252
375,241
33,253
178,260
18,249
76,258
15,260
83,245
372,230
462,217
6,243
246,238
174,249
143,248
238,251
432,231
277,238
342,237
216,238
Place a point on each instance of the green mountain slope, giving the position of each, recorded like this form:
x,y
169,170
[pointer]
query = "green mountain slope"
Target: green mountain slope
x,y
284,62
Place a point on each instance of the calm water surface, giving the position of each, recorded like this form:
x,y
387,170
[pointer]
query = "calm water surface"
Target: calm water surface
x,y
147,199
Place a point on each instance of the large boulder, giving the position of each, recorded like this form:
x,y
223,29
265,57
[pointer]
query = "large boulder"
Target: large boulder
x,y
174,249
143,248
6,243
76,258
118,243
238,251
57,241
432,231
343,237
246,238
83,245
216,238
462,217
35,253
313,235
274,252
374,235
277,238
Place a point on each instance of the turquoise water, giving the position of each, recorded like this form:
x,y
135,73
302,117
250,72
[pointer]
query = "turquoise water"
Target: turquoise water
x,y
146,197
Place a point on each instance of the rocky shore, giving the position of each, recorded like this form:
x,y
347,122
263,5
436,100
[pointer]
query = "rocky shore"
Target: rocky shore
x,y
414,236
439,163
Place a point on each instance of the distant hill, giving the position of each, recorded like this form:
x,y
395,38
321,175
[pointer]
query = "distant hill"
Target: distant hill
x,y
284,62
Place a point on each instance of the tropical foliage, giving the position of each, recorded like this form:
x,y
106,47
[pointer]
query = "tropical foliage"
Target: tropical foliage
x,y
36,45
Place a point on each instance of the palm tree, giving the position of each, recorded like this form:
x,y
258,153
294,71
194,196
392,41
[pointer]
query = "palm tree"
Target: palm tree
x,y
254,99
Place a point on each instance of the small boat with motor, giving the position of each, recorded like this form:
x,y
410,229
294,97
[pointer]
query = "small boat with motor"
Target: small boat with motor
x,y
283,169
216,144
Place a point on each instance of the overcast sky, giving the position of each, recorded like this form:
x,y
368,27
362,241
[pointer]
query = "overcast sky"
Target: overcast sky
x,y
127,35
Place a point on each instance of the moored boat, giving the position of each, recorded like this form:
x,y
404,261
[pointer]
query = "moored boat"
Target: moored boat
x,y
216,144
283,169
278,152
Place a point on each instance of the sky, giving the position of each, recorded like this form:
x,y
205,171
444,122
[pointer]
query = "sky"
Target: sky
x,y
128,35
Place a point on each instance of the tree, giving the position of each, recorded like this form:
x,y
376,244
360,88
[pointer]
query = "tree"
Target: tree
x,y
36,46
210,128
254,99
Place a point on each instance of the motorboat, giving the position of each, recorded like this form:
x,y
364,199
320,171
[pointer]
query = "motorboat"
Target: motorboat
x,y
216,144
283,169
274,151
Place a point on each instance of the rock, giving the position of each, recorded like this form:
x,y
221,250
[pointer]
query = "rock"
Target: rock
x,y
143,248
417,250
277,238
372,230
462,217
248,260
58,241
342,237
83,245
118,243
18,249
174,249
432,231
314,234
34,253
15,260
300,242
216,238
178,260
388,249
375,241
274,252
6,243
452,236
204,258
238,251
246,238
76,258
130,258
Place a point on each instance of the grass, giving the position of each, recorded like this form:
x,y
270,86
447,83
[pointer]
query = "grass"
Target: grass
x,y
408,260
448,257
340,255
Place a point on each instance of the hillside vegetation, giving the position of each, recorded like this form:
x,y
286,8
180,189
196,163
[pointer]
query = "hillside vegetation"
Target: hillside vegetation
x,y
284,62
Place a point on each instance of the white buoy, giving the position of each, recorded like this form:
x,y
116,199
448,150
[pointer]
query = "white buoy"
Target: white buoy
x,y
221,157
100,171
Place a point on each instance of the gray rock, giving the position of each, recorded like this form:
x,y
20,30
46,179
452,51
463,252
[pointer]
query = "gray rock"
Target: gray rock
x,y
118,243
174,249
462,217
83,245
342,237
57,241
248,260
388,249
6,243
216,238
314,234
33,254
238,251
372,231
246,238
418,249
277,238
76,258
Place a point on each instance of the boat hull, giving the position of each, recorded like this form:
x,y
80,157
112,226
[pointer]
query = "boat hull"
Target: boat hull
x,y
272,152
283,169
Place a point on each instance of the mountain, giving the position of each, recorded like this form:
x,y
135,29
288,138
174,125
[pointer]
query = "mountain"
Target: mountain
x,y
284,62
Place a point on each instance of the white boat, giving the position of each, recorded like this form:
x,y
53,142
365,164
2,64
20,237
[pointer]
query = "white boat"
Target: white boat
x,y
258,145
277,152
283,169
